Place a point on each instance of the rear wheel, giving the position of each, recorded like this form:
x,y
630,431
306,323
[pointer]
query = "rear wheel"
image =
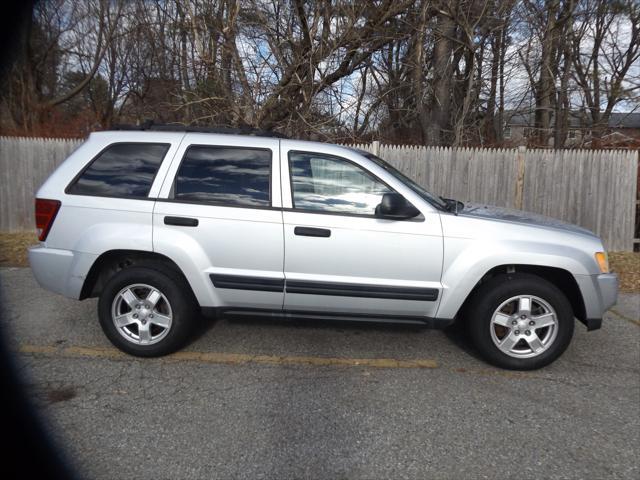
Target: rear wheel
x,y
146,313
520,321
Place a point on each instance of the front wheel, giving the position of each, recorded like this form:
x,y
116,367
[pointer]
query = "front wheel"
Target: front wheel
x,y
520,321
146,313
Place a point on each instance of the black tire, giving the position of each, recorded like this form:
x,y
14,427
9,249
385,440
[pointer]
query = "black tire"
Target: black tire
x,y
492,294
179,297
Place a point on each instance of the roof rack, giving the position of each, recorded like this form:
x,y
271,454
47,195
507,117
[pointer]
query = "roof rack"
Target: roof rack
x,y
149,125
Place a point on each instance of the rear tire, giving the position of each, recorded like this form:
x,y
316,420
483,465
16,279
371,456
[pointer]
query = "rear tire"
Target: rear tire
x,y
146,313
520,321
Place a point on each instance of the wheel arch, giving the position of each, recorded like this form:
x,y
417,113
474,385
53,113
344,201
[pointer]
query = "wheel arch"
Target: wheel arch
x,y
562,279
113,261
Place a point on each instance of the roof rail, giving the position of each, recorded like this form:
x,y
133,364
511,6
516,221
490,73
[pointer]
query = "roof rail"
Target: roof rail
x,y
149,125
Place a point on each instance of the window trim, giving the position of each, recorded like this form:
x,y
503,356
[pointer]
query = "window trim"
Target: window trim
x,y
124,197
418,218
171,196
195,202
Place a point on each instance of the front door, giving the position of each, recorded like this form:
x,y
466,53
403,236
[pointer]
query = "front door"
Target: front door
x,y
341,258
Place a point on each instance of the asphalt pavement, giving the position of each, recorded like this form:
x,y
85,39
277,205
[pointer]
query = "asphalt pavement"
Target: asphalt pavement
x,y
296,399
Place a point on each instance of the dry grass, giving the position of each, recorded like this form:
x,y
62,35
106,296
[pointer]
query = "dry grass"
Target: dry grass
x,y
13,248
13,253
627,265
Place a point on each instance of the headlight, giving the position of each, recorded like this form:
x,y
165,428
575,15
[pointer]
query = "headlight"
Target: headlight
x,y
603,261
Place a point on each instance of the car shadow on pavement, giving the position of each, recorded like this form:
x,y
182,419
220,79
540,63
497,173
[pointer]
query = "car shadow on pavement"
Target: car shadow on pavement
x,y
206,321
458,335
372,332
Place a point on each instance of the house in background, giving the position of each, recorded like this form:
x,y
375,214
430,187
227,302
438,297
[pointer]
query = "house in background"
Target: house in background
x,y
623,130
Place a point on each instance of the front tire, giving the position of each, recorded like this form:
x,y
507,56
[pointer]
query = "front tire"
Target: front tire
x,y
520,321
146,313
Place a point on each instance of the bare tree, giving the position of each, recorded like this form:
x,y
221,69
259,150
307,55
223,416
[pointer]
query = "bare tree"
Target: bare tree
x,y
601,70
419,71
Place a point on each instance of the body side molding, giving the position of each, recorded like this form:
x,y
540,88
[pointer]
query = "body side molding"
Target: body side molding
x,y
361,290
241,282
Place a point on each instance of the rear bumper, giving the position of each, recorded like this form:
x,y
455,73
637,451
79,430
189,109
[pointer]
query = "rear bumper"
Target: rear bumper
x,y
600,293
60,271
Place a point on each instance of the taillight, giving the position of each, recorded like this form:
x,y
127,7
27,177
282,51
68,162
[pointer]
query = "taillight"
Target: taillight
x,y
46,211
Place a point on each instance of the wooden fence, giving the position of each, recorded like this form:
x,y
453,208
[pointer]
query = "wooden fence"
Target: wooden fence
x,y
25,163
595,189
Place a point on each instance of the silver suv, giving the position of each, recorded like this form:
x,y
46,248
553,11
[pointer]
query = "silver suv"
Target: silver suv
x,y
159,223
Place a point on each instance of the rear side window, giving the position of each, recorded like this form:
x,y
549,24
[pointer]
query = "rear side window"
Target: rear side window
x,y
121,170
231,176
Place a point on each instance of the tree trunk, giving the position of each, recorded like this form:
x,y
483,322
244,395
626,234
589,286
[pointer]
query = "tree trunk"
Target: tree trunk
x,y
545,90
442,80
503,51
418,74
490,127
563,105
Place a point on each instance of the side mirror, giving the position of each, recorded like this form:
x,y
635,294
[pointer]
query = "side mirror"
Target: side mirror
x,y
454,206
394,206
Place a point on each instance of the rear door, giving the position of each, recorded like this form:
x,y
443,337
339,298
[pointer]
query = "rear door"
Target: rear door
x,y
219,217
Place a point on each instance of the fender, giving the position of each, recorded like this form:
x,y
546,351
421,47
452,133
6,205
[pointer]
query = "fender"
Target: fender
x,y
468,260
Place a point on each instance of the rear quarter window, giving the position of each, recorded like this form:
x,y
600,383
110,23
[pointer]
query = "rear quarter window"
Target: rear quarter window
x,y
121,170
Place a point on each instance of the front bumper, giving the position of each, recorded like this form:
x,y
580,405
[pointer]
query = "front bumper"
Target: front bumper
x,y
600,293
608,286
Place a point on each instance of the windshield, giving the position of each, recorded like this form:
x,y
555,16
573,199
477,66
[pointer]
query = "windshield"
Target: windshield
x,y
424,194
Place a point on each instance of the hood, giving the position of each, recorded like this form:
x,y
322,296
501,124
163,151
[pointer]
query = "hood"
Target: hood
x,y
518,216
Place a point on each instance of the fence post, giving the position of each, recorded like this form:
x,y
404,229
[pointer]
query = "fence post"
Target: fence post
x,y
636,230
520,159
375,147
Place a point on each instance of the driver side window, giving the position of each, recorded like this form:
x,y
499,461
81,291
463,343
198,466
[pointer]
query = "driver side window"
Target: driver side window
x,y
332,184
